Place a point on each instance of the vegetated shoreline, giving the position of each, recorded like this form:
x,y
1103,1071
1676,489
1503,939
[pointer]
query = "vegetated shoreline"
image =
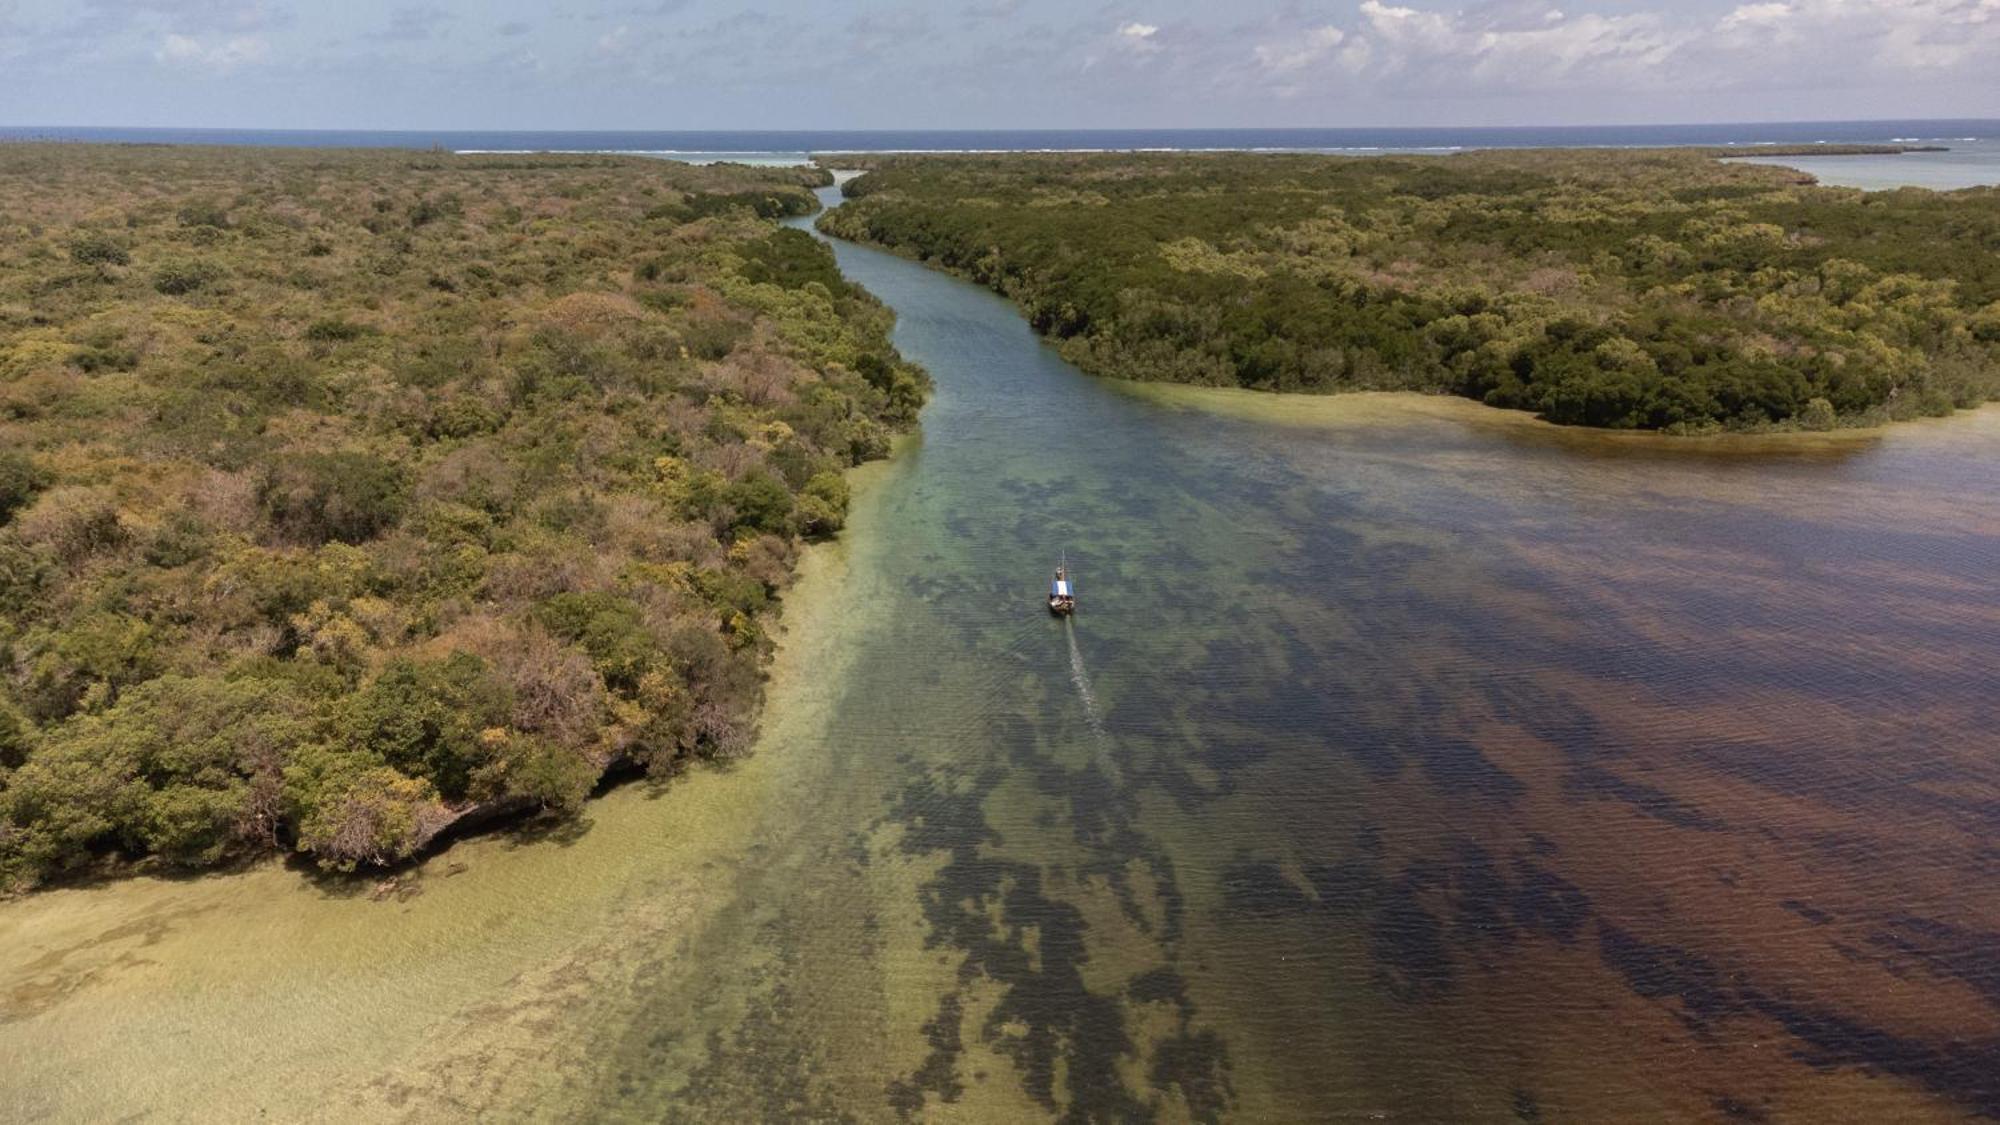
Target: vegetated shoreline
x,y
921,192
807,584
1857,428
649,314
867,161
514,813
1736,152
507,814
799,606
1368,408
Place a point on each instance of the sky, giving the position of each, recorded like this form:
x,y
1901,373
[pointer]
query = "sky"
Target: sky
x,y
889,64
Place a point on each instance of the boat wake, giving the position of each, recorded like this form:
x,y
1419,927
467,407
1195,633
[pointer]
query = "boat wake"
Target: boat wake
x,y
1082,681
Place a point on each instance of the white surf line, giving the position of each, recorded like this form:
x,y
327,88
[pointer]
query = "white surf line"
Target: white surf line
x,y
1082,680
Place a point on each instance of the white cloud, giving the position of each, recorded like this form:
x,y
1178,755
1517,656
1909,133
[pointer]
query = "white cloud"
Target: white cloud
x,y
220,56
1312,47
1008,62
1909,35
1502,50
1137,39
1757,17
1419,47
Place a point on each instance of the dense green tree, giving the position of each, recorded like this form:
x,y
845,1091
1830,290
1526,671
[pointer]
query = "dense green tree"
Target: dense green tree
x,y
352,810
98,248
386,490
426,719
611,628
822,506
87,662
179,278
20,480
1619,289
184,768
16,736
551,776
316,498
761,502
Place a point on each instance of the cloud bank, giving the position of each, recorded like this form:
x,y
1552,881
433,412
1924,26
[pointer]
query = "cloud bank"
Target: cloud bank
x,y
989,63
1517,48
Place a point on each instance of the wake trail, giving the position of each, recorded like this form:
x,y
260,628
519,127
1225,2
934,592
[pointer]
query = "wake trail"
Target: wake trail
x,y
1082,681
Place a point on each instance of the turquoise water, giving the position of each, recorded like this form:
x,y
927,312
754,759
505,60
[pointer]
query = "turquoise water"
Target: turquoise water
x,y
796,146
1439,766
1968,162
1405,760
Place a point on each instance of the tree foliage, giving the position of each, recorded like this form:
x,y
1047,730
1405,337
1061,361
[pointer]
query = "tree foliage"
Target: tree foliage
x,y
1617,289
20,480
346,495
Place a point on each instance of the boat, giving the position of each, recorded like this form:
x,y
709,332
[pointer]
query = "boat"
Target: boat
x,y
1062,596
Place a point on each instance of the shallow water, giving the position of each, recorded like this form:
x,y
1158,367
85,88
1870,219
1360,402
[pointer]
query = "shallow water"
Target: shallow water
x,y
1405,759
1968,162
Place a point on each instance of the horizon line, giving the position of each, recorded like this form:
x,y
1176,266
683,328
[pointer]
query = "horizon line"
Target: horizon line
x,y
1003,129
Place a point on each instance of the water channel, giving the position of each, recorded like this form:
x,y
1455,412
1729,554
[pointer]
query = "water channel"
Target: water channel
x,y
1406,759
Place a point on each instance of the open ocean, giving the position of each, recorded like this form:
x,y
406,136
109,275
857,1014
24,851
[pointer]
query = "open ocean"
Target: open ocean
x,y
1973,158
792,145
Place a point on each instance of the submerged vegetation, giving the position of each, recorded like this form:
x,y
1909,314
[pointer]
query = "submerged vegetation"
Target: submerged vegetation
x,y
1660,289
344,496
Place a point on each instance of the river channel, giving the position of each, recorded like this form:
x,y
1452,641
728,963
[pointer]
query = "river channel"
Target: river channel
x,y
1405,760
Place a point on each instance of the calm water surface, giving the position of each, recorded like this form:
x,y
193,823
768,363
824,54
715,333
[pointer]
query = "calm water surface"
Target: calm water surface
x,y
1968,162
1406,761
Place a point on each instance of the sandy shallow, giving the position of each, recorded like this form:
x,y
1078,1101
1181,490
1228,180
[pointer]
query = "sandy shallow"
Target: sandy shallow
x,y
182,999
1408,760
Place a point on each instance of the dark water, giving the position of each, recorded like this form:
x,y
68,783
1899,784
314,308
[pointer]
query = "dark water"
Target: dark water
x,y
1405,761
1428,767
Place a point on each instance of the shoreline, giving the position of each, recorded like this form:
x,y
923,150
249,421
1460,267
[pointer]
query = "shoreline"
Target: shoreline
x,y
698,577
509,818
457,960
1337,682
1354,408
1872,428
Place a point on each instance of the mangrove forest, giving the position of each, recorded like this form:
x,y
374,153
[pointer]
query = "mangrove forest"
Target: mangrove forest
x,y
349,496
1660,289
